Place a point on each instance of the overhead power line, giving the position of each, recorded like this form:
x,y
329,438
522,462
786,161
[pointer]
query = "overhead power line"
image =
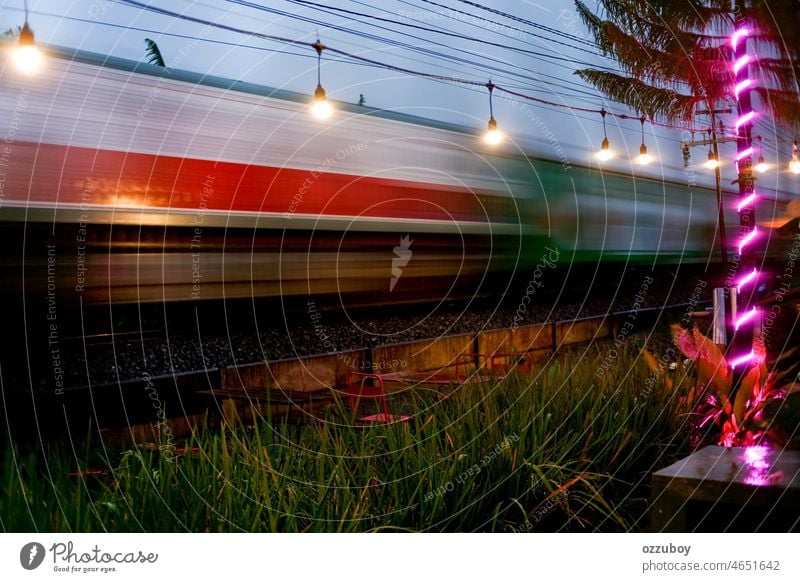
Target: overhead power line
x,y
438,31
571,37
524,21
390,67
330,10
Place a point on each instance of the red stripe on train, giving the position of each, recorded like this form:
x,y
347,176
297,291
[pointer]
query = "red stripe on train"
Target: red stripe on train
x,y
93,176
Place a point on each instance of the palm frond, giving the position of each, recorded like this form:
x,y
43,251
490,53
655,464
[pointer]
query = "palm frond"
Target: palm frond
x,y
642,61
688,15
783,106
659,33
774,27
700,74
153,53
643,98
781,74
593,23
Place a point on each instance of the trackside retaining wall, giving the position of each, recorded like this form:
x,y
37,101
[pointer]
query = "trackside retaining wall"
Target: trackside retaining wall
x,y
316,372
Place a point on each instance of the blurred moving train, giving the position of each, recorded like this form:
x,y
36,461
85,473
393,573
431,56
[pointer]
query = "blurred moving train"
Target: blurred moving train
x,y
124,182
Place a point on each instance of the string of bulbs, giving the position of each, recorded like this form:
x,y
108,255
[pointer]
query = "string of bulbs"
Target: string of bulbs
x,y
712,162
28,57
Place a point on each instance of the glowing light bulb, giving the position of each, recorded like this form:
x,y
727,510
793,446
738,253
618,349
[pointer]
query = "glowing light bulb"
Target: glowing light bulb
x,y
644,158
27,57
493,136
321,108
794,166
761,166
712,162
604,153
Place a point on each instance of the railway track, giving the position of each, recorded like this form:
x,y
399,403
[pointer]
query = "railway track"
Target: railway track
x,y
114,338
137,401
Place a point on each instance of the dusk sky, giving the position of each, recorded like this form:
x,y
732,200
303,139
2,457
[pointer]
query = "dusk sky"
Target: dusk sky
x,y
534,61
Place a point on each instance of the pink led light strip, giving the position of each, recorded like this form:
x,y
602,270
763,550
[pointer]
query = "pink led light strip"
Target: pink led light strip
x,y
746,202
746,118
749,200
743,359
747,279
746,317
742,32
747,239
741,87
743,61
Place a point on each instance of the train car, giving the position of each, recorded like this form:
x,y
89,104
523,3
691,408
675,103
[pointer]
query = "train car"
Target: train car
x,y
124,182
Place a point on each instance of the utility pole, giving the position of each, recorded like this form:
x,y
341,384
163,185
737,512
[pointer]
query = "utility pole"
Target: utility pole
x,y
725,300
714,142
723,237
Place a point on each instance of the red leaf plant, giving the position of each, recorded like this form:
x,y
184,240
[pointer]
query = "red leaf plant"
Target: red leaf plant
x,y
755,412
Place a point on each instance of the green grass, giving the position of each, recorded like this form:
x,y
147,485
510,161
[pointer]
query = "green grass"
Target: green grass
x,y
556,450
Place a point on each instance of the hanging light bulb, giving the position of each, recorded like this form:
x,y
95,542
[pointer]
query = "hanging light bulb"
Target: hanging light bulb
x,y
493,136
605,152
794,165
644,158
761,166
27,56
712,162
321,108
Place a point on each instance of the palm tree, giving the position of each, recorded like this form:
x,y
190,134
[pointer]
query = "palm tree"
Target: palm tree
x,y
675,56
